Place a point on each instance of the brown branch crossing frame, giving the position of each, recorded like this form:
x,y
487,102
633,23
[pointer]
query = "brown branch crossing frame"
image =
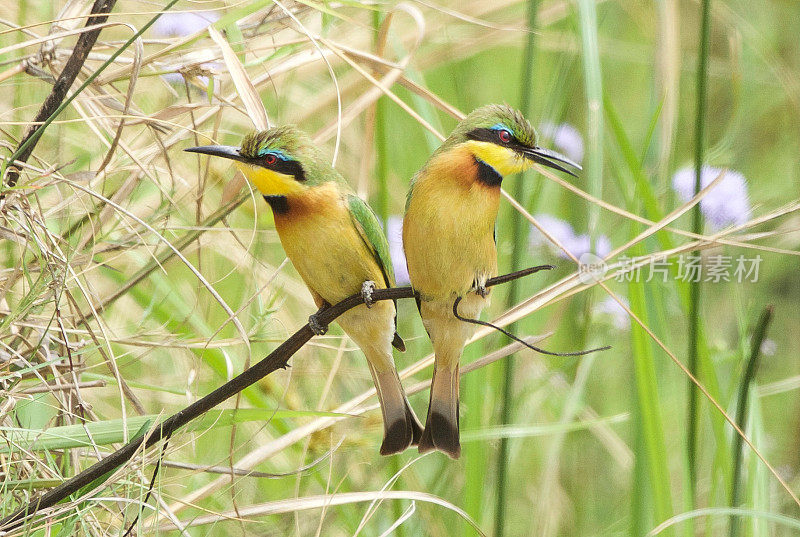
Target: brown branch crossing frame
x,y
98,15
277,359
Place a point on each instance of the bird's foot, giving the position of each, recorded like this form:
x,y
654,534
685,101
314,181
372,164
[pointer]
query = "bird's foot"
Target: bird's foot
x,y
366,293
480,288
316,325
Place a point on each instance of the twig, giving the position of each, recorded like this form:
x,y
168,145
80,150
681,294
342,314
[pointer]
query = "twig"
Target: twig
x,y
98,16
23,152
519,340
245,472
277,359
166,255
149,489
47,388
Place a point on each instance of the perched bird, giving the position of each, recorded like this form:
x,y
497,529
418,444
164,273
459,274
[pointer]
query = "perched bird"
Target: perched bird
x,y
336,244
448,237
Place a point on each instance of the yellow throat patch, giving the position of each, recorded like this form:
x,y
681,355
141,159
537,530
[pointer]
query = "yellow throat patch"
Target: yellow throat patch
x,y
270,183
504,160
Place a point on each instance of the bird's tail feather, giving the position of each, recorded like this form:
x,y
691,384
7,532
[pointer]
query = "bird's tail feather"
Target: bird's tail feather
x,y
441,425
401,428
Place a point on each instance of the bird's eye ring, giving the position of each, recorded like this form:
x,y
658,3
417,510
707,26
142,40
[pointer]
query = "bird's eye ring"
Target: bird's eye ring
x,y
504,136
270,159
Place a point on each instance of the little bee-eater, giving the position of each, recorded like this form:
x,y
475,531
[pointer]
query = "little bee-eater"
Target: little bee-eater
x,y
449,241
336,244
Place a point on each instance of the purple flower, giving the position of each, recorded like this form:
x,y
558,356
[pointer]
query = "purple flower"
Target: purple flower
x,y
176,78
768,347
562,231
394,233
610,308
727,204
182,24
566,139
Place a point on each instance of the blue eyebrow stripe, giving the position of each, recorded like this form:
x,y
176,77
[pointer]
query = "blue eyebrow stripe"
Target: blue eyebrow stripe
x,y
500,127
277,152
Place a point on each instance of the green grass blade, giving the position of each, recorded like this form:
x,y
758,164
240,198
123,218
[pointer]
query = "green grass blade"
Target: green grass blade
x,y
652,210
520,230
593,167
748,378
697,227
106,432
648,406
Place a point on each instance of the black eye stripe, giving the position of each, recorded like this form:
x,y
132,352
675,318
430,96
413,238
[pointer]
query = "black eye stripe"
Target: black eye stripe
x,y
287,167
492,136
483,135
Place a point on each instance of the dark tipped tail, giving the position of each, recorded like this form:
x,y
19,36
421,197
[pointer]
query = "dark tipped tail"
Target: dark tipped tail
x,y
441,426
401,428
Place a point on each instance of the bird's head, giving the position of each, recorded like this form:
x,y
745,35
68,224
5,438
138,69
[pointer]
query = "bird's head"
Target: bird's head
x,y
280,161
501,137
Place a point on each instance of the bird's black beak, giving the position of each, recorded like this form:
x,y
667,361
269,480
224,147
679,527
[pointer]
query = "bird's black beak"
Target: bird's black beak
x,y
224,151
551,159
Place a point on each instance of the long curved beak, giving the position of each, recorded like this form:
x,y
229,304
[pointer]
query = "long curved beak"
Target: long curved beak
x,y
224,151
551,159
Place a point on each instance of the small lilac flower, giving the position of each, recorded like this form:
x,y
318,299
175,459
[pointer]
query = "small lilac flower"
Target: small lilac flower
x,y
616,313
394,233
566,139
582,244
556,227
727,204
182,24
173,78
768,347
562,231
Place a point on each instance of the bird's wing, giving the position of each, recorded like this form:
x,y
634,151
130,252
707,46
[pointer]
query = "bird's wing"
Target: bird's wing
x,y
371,233
369,228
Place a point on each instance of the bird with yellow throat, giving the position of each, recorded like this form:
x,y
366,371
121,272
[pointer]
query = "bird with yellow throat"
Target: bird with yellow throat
x,y
449,242
335,242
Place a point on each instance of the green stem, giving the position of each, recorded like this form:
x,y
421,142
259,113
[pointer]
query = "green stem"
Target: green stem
x,y
587,12
20,90
382,205
741,411
520,233
697,226
381,164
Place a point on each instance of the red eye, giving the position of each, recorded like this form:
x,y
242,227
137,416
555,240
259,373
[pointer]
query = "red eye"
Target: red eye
x,y
504,136
270,159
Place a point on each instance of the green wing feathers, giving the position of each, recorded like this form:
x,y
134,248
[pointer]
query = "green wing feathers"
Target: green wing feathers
x,y
366,222
370,229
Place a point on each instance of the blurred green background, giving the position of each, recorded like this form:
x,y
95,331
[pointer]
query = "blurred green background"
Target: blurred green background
x,y
598,445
